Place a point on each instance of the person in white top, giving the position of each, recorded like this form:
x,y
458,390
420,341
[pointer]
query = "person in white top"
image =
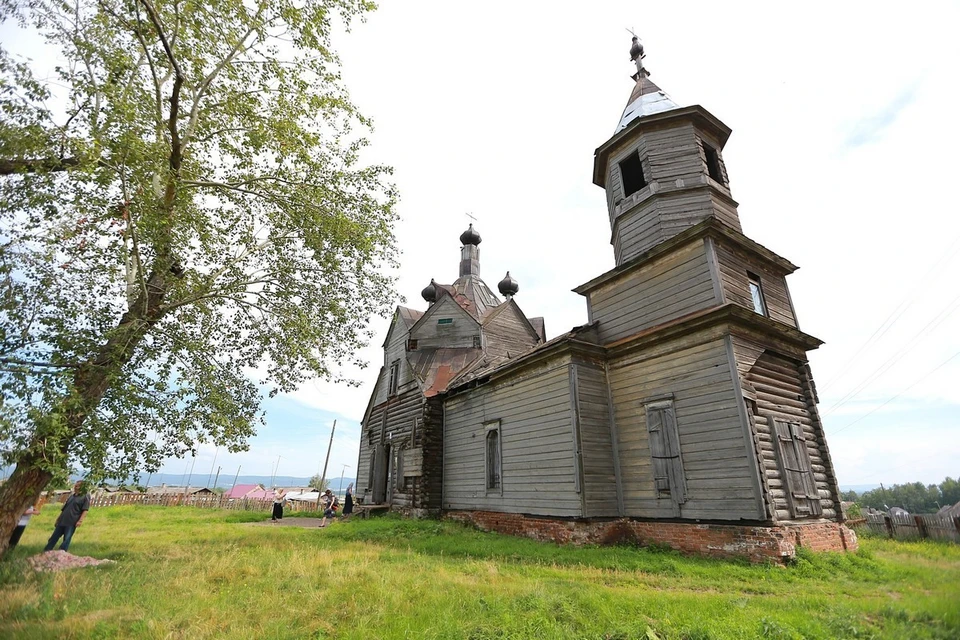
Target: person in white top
x,y
24,519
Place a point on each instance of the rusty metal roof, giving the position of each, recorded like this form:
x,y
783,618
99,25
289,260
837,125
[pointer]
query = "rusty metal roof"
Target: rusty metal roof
x,y
436,368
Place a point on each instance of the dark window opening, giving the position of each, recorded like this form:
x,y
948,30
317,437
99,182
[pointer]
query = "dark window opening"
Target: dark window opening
x,y
756,293
493,457
477,342
631,173
411,345
445,321
713,163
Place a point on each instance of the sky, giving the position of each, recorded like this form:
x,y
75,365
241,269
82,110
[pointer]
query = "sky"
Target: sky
x,y
843,158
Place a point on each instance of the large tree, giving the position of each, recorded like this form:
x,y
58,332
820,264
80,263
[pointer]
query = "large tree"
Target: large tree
x,y
184,227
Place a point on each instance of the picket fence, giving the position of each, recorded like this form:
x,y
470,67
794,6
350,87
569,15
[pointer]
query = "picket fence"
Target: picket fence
x,y
204,501
906,526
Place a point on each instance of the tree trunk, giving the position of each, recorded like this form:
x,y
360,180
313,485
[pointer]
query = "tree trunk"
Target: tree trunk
x,y
91,382
18,493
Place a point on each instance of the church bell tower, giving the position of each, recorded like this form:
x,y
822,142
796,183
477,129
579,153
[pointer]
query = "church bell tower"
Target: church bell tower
x,y
663,171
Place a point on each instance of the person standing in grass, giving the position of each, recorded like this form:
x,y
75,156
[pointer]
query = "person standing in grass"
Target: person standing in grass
x,y
278,502
348,503
71,516
22,525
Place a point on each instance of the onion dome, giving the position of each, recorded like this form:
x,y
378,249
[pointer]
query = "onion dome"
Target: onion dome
x,y
470,237
508,286
429,292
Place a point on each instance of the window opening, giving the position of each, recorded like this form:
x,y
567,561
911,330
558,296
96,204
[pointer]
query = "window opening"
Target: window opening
x,y
756,292
445,321
477,342
714,169
411,344
493,457
631,174
394,378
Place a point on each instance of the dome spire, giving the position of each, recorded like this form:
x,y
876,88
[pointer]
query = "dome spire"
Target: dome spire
x,y
646,97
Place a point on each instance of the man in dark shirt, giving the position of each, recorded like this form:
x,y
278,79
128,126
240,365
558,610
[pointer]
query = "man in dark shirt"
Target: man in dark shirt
x,y
71,516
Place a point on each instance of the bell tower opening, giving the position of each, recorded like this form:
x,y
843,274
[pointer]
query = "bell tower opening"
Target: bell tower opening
x,y
631,173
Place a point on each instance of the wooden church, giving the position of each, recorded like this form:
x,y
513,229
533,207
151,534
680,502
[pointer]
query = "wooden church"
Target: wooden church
x,y
682,413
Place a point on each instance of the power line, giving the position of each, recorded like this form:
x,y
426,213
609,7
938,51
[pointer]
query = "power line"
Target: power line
x,y
875,409
896,357
891,319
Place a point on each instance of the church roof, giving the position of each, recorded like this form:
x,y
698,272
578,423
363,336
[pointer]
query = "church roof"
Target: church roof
x,y
645,99
473,295
436,368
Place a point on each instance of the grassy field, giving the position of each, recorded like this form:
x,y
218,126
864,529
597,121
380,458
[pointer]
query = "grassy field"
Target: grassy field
x,y
188,573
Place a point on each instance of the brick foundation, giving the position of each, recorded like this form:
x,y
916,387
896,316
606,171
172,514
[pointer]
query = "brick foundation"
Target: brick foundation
x,y
758,543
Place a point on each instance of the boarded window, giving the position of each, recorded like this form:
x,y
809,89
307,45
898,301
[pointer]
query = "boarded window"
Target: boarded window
x,y
373,464
631,173
756,292
793,457
401,480
394,383
492,455
668,476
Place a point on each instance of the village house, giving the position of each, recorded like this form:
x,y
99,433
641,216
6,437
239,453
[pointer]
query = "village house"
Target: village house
x,y
683,412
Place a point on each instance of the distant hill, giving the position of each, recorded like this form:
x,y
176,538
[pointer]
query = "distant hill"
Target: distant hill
x,y
224,481
859,488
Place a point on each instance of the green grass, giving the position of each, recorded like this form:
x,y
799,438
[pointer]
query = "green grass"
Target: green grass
x,y
188,573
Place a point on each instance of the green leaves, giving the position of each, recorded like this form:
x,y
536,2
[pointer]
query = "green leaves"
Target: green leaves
x,y
188,222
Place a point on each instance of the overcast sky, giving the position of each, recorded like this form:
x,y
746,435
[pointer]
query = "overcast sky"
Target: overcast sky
x,y
843,157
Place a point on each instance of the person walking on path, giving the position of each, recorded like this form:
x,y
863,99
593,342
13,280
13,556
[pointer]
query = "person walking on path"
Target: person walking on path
x,y
348,503
22,525
278,501
71,516
330,503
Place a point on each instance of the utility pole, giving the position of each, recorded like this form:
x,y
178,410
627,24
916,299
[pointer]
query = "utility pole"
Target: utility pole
x,y
235,477
216,451
190,477
217,478
273,479
323,476
342,471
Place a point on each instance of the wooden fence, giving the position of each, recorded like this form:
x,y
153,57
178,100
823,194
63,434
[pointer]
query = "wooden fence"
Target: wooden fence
x,y
905,526
204,501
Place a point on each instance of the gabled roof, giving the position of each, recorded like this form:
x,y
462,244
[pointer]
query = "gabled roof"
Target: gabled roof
x,y
243,490
406,315
429,313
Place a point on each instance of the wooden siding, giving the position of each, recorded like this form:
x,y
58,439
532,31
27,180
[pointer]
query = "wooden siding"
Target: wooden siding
x,y
395,350
508,333
460,333
395,431
718,470
596,443
734,265
779,392
667,288
676,196
537,445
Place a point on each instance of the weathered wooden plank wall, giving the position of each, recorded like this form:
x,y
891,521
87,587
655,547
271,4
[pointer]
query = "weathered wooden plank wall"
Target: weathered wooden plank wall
x,y
537,455
596,443
699,379
734,265
666,288
775,384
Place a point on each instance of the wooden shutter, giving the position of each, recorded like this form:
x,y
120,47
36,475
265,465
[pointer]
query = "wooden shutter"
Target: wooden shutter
x,y
668,476
799,484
